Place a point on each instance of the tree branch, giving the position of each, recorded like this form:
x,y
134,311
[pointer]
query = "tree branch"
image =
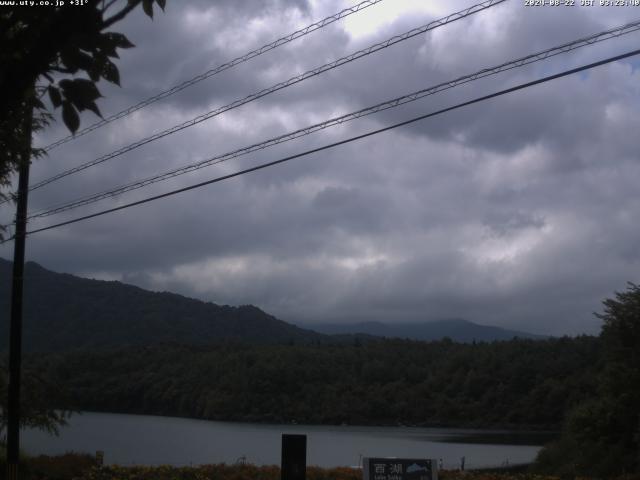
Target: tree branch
x,y
121,14
107,6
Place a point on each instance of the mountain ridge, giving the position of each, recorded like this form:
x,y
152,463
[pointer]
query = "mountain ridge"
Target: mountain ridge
x,y
457,329
63,311
66,312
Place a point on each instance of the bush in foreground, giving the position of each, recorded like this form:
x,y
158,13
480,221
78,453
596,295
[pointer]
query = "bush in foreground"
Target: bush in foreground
x,y
44,467
601,436
72,466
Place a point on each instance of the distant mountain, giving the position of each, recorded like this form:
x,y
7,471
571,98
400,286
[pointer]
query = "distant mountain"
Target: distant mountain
x,y
457,330
62,312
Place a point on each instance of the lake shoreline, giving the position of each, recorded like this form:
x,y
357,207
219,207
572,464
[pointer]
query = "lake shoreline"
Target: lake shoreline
x,y
130,439
497,428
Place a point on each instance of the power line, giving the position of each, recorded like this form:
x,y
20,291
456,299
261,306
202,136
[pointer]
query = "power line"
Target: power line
x,y
535,57
279,86
225,66
342,142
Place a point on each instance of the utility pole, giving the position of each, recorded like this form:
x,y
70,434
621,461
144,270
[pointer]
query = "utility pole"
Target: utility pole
x,y
15,335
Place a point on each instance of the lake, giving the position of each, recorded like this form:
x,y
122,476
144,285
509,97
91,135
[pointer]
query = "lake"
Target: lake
x,y
151,440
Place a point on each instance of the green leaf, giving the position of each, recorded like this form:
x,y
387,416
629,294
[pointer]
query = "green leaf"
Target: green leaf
x,y
65,84
147,6
118,39
85,41
110,73
161,4
100,59
94,108
54,96
106,44
70,116
94,72
80,91
66,56
83,60
86,88
75,60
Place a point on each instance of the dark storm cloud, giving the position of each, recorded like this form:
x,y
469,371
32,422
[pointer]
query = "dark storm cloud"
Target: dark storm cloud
x,y
519,212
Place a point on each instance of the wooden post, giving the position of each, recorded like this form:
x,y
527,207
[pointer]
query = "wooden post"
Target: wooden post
x,y
293,465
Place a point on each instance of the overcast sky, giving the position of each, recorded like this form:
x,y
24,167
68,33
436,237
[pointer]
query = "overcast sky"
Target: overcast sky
x,y
521,211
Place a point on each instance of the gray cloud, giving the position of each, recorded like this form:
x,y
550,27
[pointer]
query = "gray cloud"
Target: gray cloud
x,y
519,212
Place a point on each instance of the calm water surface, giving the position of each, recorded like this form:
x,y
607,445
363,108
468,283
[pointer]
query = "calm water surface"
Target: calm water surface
x,y
149,440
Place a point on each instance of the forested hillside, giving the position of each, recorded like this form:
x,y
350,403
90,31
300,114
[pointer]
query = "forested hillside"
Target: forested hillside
x,y
65,312
519,383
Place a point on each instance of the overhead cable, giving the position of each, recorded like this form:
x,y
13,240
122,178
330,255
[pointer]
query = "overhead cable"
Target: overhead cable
x,y
279,86
342,142
220,68
411,97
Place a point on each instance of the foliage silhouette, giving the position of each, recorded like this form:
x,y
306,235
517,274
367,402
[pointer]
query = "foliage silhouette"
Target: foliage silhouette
x,y
60,52
601,435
